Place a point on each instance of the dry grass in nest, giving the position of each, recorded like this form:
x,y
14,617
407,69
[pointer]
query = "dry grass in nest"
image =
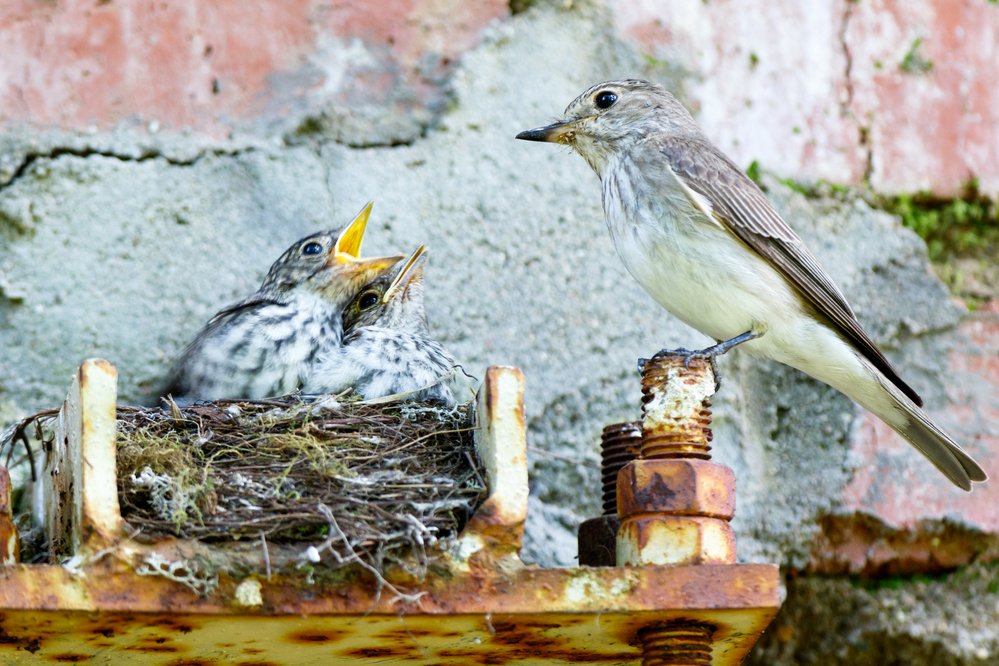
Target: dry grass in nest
x,y
368,483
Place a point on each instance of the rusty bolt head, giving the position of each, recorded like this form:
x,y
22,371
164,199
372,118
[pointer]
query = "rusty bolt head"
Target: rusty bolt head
x,y
678,486
659,540
598,541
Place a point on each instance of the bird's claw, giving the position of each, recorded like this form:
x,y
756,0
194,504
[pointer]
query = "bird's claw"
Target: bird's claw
x,y
710,353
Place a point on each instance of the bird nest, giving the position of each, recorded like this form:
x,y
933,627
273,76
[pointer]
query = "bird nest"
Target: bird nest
x,y
347,482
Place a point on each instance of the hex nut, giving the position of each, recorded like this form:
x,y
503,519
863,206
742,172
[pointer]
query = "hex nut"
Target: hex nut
x,y
678,486
660,540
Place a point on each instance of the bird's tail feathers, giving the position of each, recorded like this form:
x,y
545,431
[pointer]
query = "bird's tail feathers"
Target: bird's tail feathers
x,y
916,427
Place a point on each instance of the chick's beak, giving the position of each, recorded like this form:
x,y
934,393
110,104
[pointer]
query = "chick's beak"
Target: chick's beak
x,y
411,271
560,132
361,271
348,246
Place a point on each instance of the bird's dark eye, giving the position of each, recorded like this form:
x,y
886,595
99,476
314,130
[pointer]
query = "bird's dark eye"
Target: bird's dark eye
x,y
605,99
312,249
368,300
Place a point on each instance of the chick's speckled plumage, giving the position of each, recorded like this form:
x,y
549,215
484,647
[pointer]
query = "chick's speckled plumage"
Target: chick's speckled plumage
x,y
387,347
266,344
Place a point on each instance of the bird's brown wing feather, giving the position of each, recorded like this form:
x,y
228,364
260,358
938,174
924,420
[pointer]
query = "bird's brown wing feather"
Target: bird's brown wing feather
x,y
174,383
738,203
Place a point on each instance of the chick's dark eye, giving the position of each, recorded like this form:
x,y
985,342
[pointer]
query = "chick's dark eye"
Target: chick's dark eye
x,y
368,300
604,99
312,249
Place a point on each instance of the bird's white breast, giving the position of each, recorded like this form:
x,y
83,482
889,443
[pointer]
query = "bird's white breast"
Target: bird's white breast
x,y
692,265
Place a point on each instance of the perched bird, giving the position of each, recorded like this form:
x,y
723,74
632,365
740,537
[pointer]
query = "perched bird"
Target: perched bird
x,y
387,348
266,344
705,242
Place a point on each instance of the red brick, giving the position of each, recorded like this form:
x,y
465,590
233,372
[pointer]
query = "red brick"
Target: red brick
x,y
936,129
203,65
796,85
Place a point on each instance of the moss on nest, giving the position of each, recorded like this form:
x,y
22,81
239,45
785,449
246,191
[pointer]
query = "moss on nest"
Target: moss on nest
x,y
232,470
375,484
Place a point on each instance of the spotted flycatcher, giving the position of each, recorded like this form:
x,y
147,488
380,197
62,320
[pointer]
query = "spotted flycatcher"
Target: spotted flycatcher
x,y
705,242
387,347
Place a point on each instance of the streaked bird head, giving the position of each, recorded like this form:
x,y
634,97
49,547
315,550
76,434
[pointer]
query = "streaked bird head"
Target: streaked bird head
x,y
612,116
393,301
327,263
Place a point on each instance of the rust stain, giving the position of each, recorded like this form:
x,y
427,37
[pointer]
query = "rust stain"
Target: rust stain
x,y
860,544
317,636
657,492
379,653
10,542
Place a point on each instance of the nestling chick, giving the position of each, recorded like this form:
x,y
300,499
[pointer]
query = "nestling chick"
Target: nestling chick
x,y
387,348
266,345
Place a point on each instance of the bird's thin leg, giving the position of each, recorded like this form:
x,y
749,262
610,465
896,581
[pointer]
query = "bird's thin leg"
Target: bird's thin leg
x,y
725,345
710,353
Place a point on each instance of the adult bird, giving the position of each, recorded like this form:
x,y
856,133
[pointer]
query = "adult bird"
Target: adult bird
x,y
267,344
387,348
705,242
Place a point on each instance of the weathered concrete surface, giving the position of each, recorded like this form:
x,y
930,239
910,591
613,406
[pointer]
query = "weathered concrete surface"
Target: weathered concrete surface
x,y
120,242
946,621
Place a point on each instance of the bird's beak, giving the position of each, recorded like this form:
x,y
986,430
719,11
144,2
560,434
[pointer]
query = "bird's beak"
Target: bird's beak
x,y
560,132
348,246
346,259
362,271
411,270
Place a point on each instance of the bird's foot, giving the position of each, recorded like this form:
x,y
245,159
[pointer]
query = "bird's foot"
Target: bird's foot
x,y
711,353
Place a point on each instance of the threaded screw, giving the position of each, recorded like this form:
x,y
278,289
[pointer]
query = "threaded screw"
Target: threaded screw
x,y
680,643
619,445
677,423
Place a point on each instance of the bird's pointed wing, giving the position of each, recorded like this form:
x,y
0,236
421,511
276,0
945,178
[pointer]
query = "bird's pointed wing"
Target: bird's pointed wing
x,y
175,383
720,189
253,302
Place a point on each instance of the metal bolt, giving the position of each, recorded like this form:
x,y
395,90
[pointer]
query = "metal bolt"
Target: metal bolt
x,y
619,445
675,503
676,407
597,537
680,643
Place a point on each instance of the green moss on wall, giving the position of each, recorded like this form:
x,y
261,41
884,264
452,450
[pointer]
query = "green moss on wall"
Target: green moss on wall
x,y
968,225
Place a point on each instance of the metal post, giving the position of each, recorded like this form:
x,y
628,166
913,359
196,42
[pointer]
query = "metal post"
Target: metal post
x,y
675,504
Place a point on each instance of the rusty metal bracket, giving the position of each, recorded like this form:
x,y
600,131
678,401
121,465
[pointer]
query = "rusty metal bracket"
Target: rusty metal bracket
x,y
10,543
113,598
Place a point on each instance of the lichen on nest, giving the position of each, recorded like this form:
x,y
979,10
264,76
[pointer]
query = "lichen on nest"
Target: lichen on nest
x,y
372,484
394,476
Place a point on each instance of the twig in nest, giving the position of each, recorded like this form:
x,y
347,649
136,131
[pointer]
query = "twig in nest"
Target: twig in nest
x,y
267,555
336,534
18,433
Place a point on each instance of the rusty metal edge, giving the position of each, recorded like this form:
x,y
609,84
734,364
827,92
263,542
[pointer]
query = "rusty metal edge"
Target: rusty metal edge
x,y
109,584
